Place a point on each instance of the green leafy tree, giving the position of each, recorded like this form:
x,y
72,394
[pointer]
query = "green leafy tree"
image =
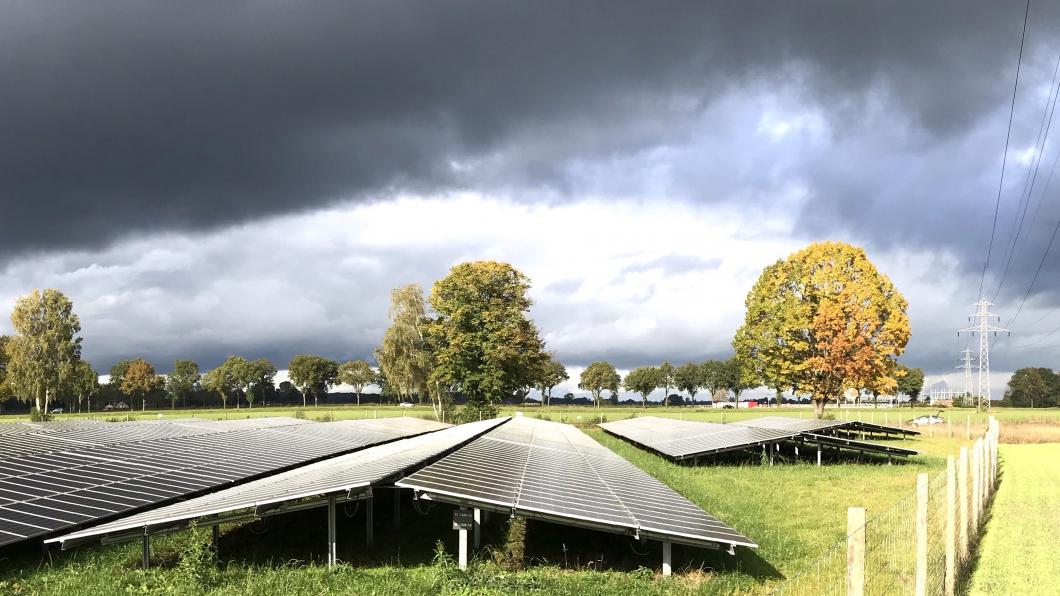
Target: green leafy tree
x,y
357,374
404,356
226,379
598,377
643,380
687,379
552,373
257,377
313,375
117,373
666,380
5,390
140,379
1033,388
822,321
182,381
484,344
735,377
712,376
43,353
84,382
910,382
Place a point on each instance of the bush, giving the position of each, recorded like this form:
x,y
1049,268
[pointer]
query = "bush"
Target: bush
x,y
36,415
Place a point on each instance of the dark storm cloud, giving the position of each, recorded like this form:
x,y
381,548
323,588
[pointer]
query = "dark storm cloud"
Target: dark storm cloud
x,y
119,117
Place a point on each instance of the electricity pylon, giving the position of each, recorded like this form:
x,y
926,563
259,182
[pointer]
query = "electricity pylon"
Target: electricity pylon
x,y
966,364
984,329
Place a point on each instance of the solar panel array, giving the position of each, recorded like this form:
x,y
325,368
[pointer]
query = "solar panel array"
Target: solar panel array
x,y
356,471
44,493
682,439
30,437
555,472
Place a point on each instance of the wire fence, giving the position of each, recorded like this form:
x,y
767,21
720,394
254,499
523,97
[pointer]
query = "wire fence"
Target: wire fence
x,y
916,545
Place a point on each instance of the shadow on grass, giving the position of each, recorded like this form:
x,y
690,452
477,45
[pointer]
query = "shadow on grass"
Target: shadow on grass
x,y
964,581
301,538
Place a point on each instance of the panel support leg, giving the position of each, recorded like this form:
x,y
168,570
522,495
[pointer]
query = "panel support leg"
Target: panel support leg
x,y
818,455
462,547
215,540
147,550
332,550
666,562
478,522
369,538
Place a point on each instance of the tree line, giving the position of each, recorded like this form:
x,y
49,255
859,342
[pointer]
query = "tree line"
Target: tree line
x,y
819,323
1036,387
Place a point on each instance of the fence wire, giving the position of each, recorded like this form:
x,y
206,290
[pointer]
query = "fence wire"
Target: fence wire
x,y
891,544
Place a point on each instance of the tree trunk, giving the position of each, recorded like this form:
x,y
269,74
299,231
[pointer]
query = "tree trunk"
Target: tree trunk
x,y
818,407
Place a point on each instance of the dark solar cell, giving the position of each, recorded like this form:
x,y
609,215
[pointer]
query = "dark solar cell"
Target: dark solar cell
x,y
554,471
92,482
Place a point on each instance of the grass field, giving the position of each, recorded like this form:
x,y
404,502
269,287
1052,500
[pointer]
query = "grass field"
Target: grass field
x,y
1018,554
794,511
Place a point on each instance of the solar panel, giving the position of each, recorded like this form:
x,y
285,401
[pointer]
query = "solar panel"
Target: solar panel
x,y
555,472
854,444
28,438
352,472
43,493
798,425
881,429
683,439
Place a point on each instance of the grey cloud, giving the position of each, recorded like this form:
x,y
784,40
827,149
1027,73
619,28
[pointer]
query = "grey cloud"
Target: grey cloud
x,y
126,116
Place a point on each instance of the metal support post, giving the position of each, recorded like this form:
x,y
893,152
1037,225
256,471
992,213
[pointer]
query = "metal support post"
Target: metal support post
x,y
215,540
146,550
478,522
332,550
462,552
369,538
666,562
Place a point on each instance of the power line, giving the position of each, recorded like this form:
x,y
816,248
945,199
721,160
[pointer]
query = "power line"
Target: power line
x,y
1004,157
1040,339
1032,177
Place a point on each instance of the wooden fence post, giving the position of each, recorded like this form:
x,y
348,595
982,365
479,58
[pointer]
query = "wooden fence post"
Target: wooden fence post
x,y
921,534
962,497
951,526
855,551
976,486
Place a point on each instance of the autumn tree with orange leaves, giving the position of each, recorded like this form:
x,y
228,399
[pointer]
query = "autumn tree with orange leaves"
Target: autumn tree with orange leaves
x,y
822,321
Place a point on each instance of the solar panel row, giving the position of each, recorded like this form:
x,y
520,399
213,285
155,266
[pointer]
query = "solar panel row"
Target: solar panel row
x,y
555,472
683,439
44,493
38,438
358,471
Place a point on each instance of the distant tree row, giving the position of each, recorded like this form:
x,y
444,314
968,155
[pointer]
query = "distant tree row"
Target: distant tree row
x,y
818,323
712,376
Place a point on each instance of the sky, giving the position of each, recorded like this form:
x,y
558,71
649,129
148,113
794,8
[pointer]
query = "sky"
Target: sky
x,y
254,178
